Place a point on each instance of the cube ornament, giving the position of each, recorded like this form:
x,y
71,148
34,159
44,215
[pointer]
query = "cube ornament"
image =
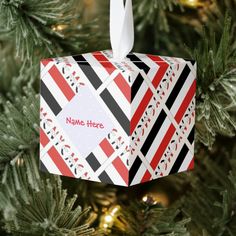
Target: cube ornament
x,y
121,123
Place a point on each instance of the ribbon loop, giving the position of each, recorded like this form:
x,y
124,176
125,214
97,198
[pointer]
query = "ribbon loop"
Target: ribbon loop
x,y
121,28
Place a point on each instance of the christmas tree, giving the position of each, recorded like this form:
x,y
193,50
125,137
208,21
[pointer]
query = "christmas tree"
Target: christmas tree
x,y
200,202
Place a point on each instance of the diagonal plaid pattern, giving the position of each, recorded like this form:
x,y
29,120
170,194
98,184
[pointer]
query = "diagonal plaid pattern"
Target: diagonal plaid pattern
x,y
150,102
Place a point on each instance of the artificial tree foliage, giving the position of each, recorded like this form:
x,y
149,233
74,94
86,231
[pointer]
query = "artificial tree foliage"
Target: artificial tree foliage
x,y
200,202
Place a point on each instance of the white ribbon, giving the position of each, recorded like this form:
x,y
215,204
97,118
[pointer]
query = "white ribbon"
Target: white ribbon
x,y
121,28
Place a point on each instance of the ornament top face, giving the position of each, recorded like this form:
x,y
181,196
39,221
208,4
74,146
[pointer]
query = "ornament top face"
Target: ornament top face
x,y
122,123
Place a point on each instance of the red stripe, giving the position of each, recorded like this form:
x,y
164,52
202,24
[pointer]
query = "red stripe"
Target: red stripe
x,y
59,162
191,165
188,98
61,83
110,68
44,140
140,110
155,58
171,130
121,169
123,86
106,147
147,176
163,66
46,61
161,149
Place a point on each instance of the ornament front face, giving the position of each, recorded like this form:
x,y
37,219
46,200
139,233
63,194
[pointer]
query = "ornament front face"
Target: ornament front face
x,y
120,123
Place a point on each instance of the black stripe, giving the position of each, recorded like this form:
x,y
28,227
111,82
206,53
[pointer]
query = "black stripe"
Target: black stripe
x,y
79,58
136,86
153,133
140,64
93,162
181,80
42,167
134,169
105,178
88,71
49,99
179,160
191,61
191,135
116,110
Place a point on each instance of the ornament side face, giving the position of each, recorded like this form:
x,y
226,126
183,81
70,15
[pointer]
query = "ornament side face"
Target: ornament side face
x,y
121,123
163,118
85,118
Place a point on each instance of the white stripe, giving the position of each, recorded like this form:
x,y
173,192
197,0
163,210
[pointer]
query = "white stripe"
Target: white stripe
x,y
108,54
173,159
176,125
68,76
41,147
44,150
175,155
76,68
138,97
126,159
164,160
154,67
49,164
152,74
148,61
97,67
187,132
122,65
110,160
147,130
174,80
68,59
120,99
131,68
91,178
146,163
55,90
115,176
72,70
182,94
140,56
100,155
158,139
189,128
131,158
193,68
44,69
172,60
41,66
186,162
139,175
107,81
171,84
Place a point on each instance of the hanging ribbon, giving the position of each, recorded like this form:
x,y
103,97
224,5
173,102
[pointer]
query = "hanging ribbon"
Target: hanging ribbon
x,y
121,28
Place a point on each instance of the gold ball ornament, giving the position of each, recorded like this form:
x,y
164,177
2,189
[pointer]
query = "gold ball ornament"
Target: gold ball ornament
x,y
156,198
